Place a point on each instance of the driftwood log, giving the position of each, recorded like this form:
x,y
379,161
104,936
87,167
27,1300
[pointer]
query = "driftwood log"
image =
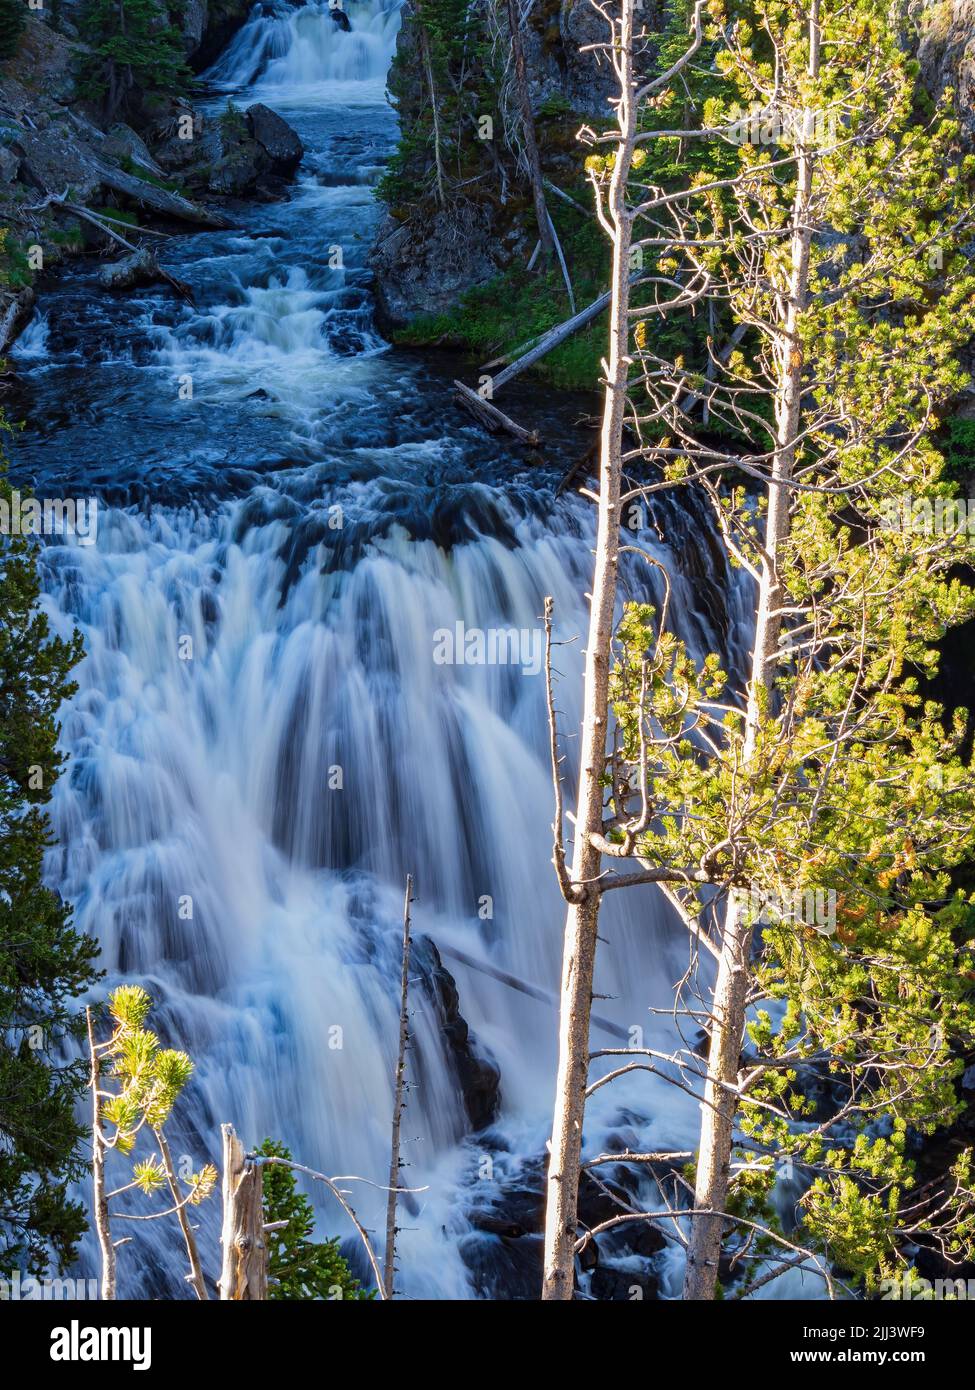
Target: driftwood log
x,y
493,420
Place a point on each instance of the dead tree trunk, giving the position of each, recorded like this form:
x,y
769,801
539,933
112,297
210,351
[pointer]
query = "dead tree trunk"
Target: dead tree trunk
x,y
389,1258
731,988
243,1274
99,1196
583,913
528,131
435,114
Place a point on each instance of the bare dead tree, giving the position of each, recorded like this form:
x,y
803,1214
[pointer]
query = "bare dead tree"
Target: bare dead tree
x,y
399,1093
243,1273
580,885
98,1147
529,136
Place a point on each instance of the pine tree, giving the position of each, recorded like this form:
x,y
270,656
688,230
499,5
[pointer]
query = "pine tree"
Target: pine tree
x,y
134,51
11,27
805,823
134,1086
298,1267
44,963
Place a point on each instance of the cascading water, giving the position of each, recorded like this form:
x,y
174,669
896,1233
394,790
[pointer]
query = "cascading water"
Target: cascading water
x,y
304,51
263,743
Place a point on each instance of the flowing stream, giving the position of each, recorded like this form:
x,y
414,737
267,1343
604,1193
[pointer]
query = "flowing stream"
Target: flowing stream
x,y
264,741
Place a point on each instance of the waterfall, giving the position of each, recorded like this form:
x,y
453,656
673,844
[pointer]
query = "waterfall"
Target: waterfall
x,y
266,737
302,52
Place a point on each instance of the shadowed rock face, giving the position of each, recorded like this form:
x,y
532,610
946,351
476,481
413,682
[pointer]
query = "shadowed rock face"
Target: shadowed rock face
x,y
946,53
478,1075
425,261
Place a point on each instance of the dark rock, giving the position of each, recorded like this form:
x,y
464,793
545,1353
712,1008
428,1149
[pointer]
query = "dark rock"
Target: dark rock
x,y
51,161
341,19
504,1269
622,1285
275,136
478,1075
221,23
222,157
946,55
9,165
123,144
422,269
520,1212
192,20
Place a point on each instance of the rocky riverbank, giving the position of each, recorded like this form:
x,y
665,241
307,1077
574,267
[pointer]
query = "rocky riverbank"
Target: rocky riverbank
x,y
71,183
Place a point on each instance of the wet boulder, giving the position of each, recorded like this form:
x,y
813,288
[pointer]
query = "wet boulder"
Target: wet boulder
x,y
280,143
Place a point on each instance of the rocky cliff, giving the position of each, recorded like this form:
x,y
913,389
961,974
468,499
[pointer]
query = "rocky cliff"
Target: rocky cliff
x,y
70,182
438,243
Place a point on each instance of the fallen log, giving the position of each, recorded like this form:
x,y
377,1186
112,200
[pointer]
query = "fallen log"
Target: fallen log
x,y
586,461
491,417
146,266
555,336
567,198
161,200
552,339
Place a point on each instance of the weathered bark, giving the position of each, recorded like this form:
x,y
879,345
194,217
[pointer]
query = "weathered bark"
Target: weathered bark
x,y
389,1256
189,1239
731,987
583,913
528,132
243,1275
491,417
99,1197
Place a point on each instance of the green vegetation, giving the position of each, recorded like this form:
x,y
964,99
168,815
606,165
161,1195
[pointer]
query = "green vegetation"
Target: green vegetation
x,y
956,440
298,1267
134,52
506,315
11,27
830,804
44,963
